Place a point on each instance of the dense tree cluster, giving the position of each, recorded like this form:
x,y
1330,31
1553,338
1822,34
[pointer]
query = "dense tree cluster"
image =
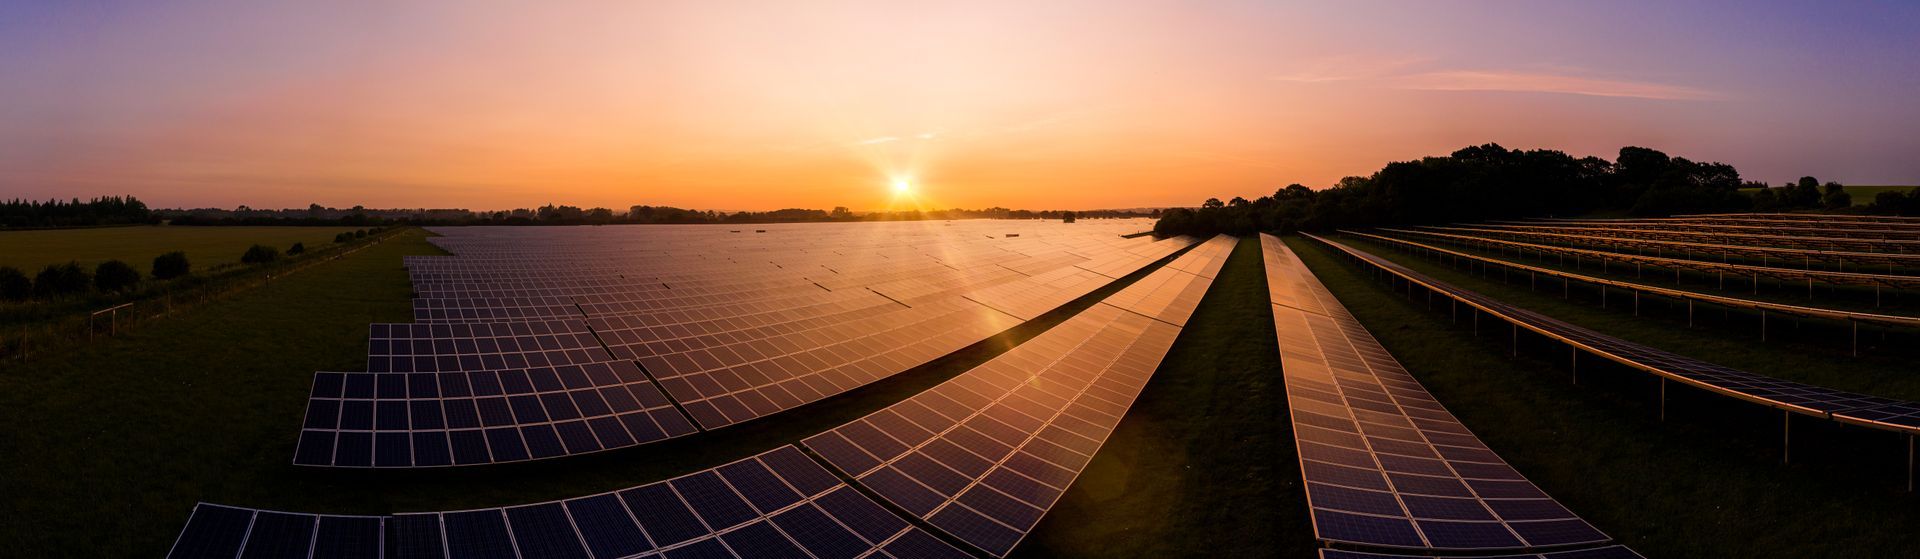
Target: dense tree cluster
x,y
105,210
1893,202
1475,184
1804,194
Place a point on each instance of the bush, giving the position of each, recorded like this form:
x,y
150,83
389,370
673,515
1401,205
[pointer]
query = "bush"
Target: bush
x,y
260,254
361,234
14,284
297,248
114,275
343,238
61,279
171,265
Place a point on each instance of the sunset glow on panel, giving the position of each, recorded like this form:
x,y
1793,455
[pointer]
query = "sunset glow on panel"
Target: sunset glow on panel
x,y
1027,105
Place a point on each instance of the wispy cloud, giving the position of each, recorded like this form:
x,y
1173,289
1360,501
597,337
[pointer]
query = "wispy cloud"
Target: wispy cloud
x,y
1413,73
1539,82
879,140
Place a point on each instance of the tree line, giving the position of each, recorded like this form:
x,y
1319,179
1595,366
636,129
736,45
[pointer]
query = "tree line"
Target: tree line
x,y
1488,182
104,210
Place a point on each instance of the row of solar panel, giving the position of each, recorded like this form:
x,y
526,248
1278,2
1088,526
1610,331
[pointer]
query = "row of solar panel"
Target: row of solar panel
x,y
779,504
984,455
1711,248
1827,403
1726,237
1385,464
523,395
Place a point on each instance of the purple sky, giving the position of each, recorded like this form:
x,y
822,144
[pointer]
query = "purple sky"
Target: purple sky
x,y
1077,103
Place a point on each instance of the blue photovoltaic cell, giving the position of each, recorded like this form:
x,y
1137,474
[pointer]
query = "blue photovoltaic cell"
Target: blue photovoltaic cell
x,y
807,508
1385,464
985,454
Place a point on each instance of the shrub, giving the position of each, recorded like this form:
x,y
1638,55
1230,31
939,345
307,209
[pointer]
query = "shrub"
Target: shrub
x,y
61,279
343,238
297,248
14,284
114,275
260,254
361,234
171,265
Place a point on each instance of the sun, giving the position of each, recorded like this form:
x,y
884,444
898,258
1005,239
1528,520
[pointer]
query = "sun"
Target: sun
x,y
901,186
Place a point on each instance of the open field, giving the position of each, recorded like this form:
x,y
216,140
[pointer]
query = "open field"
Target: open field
x,y
206,407
205,246
1707,482
1862,193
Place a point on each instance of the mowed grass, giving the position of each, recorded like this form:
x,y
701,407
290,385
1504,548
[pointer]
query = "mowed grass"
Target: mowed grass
x,y
107,450
205,246
1706,482
1204,463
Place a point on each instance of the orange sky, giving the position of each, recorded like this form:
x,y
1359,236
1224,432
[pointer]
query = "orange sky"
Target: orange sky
x,y
1027,105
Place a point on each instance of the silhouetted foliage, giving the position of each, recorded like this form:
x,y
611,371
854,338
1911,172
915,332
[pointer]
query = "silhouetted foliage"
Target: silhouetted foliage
x,y
1066,217
104,210
260,254
14,284
297,248
171,265
1896,203
61,279
360,234
114,275
1836,197
1477,183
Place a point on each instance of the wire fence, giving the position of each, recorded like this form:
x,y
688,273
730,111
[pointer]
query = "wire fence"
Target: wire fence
x,y
60,331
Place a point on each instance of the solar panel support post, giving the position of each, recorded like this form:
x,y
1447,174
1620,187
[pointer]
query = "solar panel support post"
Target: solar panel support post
x,y
1663,399
1856,335
1573,354
1763,325
1909,462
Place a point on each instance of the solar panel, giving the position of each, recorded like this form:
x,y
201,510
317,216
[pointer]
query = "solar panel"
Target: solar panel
x,y
1608,552
1733,302
484,416
1847,407
985,454
1739,270
776,504
1385,464
537,343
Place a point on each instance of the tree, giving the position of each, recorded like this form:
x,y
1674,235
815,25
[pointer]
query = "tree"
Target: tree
x,y
260,254
1066,217
171,265
1836,197
114,275
14,284
841,212
61,279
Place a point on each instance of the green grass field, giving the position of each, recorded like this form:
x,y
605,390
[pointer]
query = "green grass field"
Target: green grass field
x,y
1706,482
206,247
1862,193
107,449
